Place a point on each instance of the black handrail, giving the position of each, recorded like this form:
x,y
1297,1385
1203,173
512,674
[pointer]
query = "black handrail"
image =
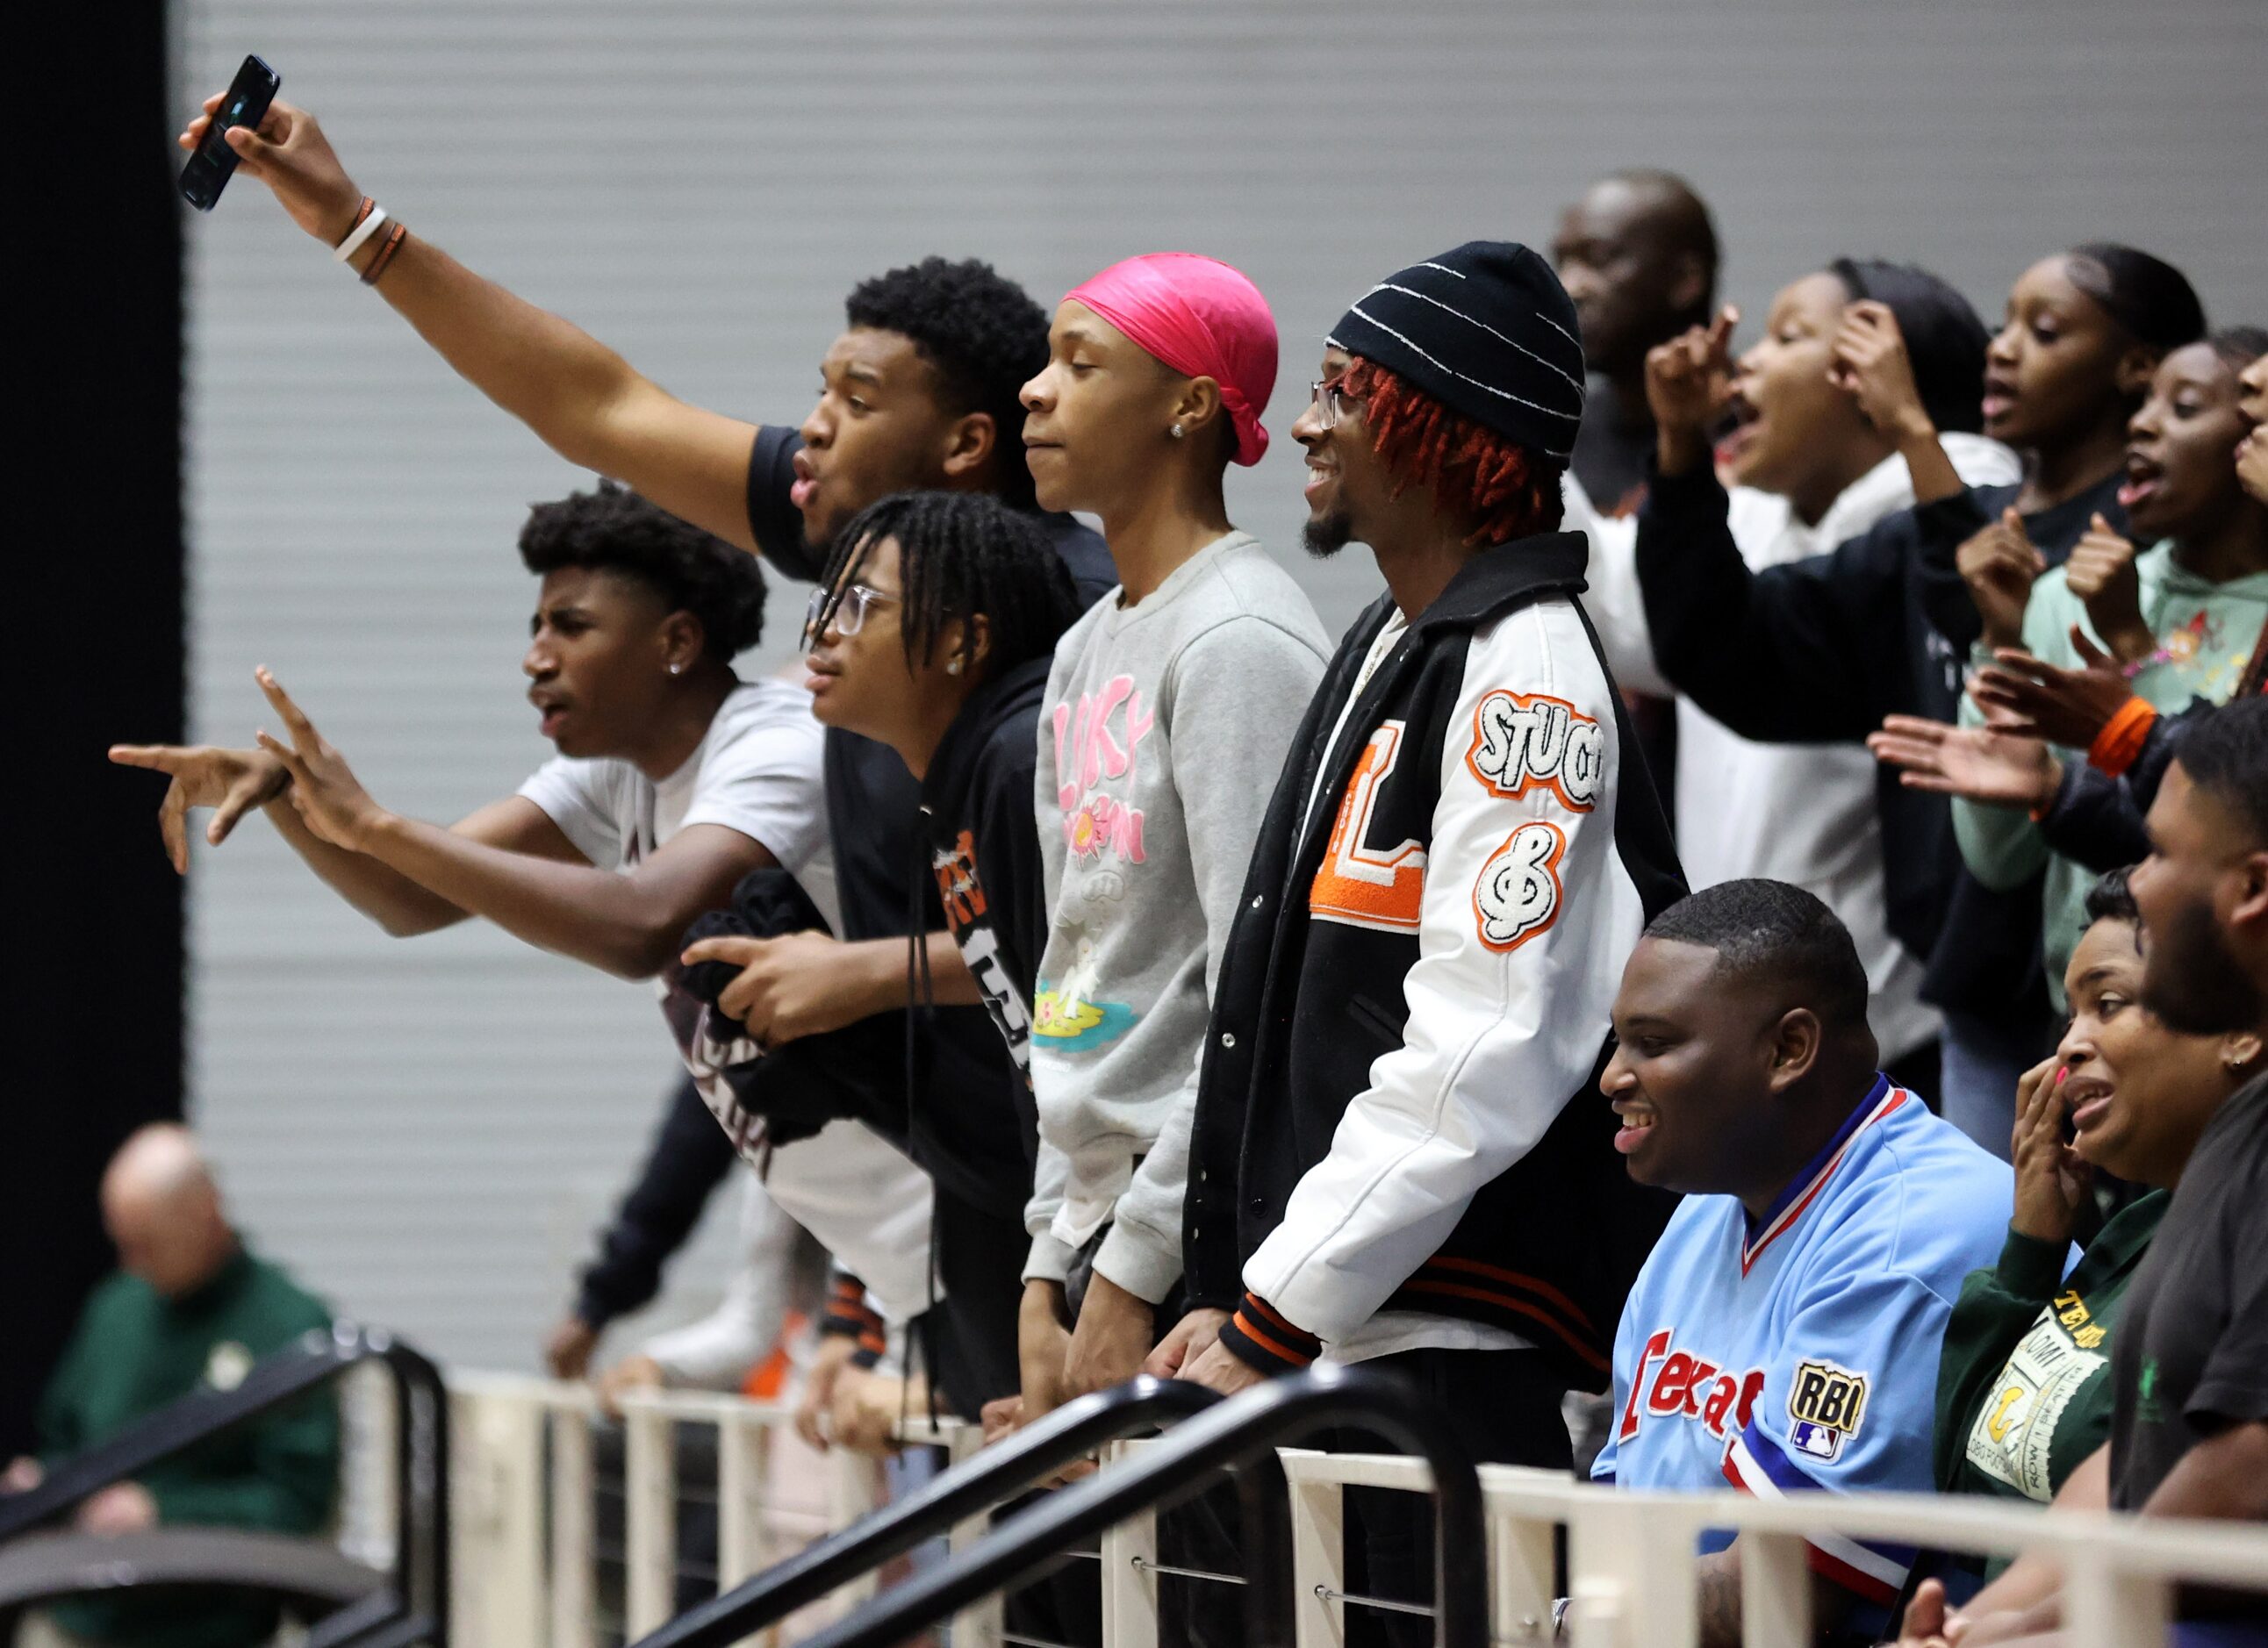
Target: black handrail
x,y
1251,1423
1021,1461
420,1584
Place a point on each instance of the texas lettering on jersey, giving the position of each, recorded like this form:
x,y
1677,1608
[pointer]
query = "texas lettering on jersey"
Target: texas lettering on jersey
x,y
1679,1386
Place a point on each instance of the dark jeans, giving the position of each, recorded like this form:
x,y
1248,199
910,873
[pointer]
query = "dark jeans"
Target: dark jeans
x,y
1506,1404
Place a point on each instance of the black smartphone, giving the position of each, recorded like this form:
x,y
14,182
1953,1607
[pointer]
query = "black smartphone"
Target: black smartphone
x,y
209,169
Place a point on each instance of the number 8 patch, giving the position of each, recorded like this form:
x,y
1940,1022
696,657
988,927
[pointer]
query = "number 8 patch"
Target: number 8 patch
x,y
1517,893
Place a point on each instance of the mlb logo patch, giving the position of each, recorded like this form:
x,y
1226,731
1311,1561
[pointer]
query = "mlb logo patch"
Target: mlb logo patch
x,y
1826,1405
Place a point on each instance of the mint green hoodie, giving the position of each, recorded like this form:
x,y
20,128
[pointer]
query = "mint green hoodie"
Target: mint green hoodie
x,y
2209,631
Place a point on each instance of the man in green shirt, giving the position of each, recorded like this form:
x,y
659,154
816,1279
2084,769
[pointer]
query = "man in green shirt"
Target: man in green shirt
x,y
190,1308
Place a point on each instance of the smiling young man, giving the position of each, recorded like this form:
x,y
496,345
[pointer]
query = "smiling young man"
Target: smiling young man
x,y
1784,1334
1457,857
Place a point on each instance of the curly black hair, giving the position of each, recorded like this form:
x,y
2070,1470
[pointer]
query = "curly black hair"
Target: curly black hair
x,y
981,332
613,530
962,554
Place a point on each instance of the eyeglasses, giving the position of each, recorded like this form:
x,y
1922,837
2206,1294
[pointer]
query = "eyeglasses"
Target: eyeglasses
x,y
1328,397
850,614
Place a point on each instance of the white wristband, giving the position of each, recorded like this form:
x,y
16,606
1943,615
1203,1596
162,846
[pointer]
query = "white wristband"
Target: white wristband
x,y
363,231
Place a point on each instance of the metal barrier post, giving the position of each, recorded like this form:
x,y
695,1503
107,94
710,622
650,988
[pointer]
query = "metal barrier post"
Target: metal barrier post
x,y
978,1625
2105,1608
574,1486
744,1457
1775,1591
649,1517
1130,1575
1319,1570
498,1518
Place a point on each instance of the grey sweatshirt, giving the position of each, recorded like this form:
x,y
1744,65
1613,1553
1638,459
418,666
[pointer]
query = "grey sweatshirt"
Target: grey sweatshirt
x,y
1161,736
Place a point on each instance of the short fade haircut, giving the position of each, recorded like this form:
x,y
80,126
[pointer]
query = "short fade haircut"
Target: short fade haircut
x,y
962,555
1769,930
612,529
2226,755
982,335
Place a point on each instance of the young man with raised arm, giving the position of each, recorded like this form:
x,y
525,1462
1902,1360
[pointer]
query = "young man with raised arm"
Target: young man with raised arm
x,y
919,391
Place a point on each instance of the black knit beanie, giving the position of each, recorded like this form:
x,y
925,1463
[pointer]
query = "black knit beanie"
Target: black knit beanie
x,y
1945,340
2148,296
1488,331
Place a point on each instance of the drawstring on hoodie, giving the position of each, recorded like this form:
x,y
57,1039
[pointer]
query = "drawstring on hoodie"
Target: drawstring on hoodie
x,y
920,1002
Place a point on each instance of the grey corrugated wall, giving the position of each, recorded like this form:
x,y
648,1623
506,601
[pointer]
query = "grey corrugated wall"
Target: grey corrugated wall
x,y
425,1127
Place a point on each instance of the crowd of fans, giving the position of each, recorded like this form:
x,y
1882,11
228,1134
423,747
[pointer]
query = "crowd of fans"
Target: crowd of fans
x,y
1762,924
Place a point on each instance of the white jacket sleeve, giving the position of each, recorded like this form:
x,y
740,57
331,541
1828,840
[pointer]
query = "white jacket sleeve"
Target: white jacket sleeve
x,y
1527,919
1612,596
716,1353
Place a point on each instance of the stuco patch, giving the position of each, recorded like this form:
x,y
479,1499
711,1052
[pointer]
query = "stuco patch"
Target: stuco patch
x,y
1826,1405
1524,741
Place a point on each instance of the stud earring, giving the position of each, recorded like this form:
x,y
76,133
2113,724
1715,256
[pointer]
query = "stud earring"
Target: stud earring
x,y
952,666
1176,431
677,669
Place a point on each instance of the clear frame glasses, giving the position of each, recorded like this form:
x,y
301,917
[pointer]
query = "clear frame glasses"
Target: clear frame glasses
x,y
850,614
1328,397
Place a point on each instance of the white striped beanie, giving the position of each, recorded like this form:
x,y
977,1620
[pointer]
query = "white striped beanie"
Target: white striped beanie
x,y
1488,331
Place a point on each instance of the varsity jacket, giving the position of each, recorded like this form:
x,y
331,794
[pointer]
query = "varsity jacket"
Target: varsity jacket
x,y
1398,1106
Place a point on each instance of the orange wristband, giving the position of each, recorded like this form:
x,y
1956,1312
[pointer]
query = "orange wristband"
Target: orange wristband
x,y
2122,737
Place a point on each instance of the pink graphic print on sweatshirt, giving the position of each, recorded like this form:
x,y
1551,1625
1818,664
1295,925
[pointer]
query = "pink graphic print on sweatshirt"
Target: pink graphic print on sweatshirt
x,y
1099,742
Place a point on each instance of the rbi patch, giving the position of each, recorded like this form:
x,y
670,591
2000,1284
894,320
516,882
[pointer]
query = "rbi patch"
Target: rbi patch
x,y
227,1367
1826,1404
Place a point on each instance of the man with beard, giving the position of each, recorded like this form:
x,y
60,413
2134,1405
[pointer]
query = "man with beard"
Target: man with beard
x,y
2189,1426
1459,856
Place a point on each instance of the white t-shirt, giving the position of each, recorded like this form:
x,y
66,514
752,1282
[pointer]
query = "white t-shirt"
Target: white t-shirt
x,y
756,771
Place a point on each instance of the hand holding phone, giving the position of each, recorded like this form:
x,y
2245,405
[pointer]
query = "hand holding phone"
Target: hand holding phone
x,y
244,104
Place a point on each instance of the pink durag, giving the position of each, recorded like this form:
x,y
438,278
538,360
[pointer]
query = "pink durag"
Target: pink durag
x,y
1202,317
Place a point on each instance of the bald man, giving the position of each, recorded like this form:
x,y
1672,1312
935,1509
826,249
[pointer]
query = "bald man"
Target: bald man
x,y
1639,255
190,1308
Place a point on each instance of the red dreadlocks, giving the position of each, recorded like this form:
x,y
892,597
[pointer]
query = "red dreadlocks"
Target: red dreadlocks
x,y
1476,473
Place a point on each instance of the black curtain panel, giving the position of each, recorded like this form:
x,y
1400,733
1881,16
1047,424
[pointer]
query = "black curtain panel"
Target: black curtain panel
x,y
95,580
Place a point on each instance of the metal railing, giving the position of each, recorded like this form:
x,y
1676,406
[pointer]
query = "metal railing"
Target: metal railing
x,y
1631,1563
529,1481
413,1603
966,1493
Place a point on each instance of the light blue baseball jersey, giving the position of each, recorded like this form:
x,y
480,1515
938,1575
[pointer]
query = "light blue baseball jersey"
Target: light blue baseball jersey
x,y
1798,1351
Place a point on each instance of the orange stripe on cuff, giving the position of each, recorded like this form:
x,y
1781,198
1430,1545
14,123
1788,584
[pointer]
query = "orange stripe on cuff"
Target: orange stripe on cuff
x,y
2122,737
1270,1342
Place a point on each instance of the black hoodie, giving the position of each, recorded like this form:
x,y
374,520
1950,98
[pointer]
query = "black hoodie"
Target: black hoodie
x,y
982,831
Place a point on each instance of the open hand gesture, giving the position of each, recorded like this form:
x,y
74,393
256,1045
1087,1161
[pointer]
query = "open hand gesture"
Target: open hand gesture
x,y
327,797
2101,572
2068,706
1873,367
1687,381
232,782
289,153
2000,564
1988,764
